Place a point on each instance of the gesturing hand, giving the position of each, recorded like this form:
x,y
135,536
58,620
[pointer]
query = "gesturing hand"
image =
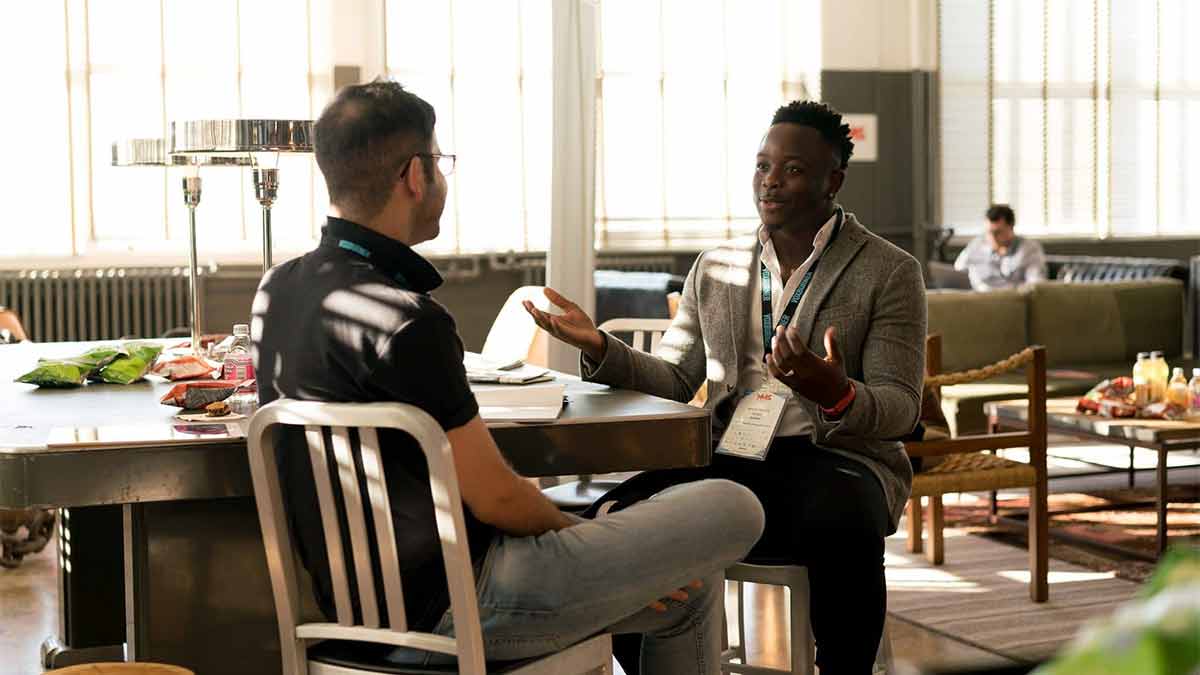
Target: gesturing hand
x,y
573,326
821,380
680,594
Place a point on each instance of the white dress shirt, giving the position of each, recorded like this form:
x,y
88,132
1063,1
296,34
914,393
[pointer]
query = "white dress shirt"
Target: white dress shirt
x,y
752,372
1024,263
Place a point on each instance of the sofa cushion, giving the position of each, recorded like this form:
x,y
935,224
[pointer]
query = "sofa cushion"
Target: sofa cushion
x,y
977,328
1108,322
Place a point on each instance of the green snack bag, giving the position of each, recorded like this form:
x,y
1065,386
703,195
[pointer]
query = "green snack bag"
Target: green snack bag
x,y
97,357
135,360
56,374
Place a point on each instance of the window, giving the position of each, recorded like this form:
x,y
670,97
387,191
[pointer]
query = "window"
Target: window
x,y
686,90
485,67
1081,114
96,72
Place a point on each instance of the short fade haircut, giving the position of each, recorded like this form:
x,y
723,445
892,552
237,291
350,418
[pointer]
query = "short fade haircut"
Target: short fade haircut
x,y
827,122
366,136
1001,212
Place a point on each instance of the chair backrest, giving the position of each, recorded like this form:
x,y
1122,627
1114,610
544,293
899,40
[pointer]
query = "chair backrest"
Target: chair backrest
x,y
640,329
514,335
331,430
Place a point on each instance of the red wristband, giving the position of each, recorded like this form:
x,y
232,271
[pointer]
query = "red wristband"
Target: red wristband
x,y
843,403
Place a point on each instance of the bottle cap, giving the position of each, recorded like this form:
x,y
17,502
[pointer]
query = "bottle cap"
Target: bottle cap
x,y
1156,354
241,329
1143,355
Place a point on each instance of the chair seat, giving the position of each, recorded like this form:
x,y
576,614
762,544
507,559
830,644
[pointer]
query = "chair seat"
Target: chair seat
x,y
577,495
971,472
370,657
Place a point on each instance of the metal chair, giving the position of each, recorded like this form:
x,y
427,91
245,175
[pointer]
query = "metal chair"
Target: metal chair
x,y
120,669
577,495
296,637
795,578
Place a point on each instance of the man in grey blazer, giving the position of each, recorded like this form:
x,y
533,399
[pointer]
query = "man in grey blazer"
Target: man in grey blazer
x,y
839,337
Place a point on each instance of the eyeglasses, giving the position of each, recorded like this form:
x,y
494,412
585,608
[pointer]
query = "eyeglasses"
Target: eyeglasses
x,y
445,163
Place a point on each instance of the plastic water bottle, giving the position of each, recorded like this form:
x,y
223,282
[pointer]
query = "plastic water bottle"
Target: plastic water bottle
x,y
239,364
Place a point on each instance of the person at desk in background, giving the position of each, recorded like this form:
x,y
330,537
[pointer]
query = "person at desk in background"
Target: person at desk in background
x,y
353,321
1000,259
756,317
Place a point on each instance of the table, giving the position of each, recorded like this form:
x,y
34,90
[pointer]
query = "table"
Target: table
x,y
160,546
1160,435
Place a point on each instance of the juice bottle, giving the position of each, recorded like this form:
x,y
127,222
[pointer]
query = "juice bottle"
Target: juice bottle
x,y
1194,394
1158,377
1141,380
1177,389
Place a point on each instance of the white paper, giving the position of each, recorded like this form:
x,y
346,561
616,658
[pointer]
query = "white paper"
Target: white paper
x,y
540,395
496,413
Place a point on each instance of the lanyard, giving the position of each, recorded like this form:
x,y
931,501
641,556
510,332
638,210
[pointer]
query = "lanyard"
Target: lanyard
x,y
790,309
366,254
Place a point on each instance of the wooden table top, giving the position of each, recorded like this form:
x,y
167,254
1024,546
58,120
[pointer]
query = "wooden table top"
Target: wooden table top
x,y
1061,415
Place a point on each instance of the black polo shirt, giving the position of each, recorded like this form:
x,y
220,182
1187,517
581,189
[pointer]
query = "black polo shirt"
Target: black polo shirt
x,y
352,321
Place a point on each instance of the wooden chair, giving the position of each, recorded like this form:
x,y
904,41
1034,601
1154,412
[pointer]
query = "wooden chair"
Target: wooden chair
x,y
965,467
360,463
514,335
10,322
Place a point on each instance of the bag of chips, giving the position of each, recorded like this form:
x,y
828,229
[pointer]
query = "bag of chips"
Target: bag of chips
x,y
196,395
136,358
60,373
187,367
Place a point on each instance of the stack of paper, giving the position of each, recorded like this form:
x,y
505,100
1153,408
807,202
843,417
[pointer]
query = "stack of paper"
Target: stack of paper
x,y
481,370
531,403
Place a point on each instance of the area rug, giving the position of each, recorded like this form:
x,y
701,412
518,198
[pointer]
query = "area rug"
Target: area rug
x,y
1122,517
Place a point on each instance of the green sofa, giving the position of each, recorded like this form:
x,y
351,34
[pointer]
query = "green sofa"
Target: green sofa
x,y
1090,331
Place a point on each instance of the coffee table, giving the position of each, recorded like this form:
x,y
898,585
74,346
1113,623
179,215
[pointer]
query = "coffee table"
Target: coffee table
x,y
1161,436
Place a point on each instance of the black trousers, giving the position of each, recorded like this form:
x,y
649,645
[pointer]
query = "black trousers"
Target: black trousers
x,y
824,511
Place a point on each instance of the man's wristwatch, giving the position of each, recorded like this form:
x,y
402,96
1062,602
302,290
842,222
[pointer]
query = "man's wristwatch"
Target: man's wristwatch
x,y
843,403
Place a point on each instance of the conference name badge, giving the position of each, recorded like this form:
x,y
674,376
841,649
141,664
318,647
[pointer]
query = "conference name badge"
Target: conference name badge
x,y
755,421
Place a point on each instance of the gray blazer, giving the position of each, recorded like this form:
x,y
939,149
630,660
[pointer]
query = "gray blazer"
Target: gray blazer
x,y
871,290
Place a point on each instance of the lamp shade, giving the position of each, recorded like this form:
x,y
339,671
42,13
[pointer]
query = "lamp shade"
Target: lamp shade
x,y
241,136
152,152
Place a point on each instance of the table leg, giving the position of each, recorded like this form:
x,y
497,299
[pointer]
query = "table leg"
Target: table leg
x,y
1132,475
90,589
1161,479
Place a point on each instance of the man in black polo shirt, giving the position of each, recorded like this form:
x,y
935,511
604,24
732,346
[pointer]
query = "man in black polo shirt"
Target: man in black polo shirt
x,y
353,321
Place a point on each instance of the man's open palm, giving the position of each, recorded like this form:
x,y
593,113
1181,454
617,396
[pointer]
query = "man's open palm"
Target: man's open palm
x,y
573,326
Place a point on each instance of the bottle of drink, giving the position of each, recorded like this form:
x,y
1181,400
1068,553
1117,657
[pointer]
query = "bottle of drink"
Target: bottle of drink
x,y
1177,389
1141,380
239,364
1194,394
1159,377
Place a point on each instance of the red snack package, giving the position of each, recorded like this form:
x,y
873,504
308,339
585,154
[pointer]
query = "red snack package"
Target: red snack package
x,y
186,367
196,395
1088,406
1114,408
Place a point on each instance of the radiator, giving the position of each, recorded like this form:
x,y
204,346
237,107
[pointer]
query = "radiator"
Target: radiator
x,y
98,304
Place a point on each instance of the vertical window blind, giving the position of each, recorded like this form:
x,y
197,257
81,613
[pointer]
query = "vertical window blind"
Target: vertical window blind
x,y
1084,115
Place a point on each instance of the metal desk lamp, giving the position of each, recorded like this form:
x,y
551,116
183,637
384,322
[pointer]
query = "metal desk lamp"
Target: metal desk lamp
x,y
237,137
151,152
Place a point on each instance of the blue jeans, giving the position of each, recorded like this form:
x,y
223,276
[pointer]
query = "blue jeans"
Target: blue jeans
x,y
539,595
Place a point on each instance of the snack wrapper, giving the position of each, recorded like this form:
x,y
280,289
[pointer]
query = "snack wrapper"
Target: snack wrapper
x,y
61,374
196,395
131,365
187,367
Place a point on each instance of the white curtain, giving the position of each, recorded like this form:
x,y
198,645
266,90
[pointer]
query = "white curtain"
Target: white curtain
x,y
572,201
